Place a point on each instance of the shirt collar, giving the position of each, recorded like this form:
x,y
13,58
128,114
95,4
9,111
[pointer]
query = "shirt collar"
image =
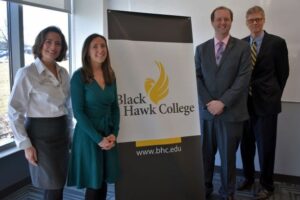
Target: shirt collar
x,y
257,39
225,40
41,67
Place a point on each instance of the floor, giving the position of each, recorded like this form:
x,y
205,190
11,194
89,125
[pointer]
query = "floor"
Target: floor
x,y
283,191
29,192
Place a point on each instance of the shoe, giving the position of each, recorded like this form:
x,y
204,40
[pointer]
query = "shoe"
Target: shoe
x,y
230,197
209,188
208,192
245,185
263,194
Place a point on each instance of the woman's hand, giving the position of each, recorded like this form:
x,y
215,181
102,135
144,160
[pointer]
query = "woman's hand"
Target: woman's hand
x,y
111,138
31,156
106,144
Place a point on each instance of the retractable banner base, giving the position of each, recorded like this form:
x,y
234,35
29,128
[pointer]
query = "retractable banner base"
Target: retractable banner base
x,y
167,172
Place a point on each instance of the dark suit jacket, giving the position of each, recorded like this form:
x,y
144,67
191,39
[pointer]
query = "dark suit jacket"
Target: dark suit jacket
x,y
269,76
227,82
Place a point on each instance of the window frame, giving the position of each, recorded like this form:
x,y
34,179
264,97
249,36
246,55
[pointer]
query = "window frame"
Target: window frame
x,y
15,33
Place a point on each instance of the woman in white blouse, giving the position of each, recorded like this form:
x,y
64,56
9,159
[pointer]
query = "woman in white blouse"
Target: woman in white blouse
x,y
40,113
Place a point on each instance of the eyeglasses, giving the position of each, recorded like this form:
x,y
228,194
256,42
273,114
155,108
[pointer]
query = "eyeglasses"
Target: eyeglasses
x,y
257,20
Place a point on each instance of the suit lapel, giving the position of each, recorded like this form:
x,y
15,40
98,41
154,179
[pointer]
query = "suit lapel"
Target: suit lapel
x,y
229,46
212,57
263,45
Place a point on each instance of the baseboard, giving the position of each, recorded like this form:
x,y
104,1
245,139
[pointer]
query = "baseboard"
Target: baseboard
x,y
277,177
287,179
7,191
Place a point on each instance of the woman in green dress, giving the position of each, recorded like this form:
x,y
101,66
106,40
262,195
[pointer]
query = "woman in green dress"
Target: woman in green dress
x,y
94,158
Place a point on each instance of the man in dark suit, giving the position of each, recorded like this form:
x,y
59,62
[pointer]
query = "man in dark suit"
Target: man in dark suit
x,y
223,73
270,73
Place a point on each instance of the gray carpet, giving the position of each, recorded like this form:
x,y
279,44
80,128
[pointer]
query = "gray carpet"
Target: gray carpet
x,y
29,192
283,191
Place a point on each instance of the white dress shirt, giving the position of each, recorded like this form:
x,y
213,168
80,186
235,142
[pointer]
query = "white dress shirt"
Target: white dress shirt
x,y
225,42
37,93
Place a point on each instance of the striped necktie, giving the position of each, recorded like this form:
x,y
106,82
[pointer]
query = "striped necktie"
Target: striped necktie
x,y
219,52
253,54
253,61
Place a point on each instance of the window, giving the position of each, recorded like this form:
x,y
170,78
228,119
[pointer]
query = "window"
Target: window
x,y
31,30
5,132
18,28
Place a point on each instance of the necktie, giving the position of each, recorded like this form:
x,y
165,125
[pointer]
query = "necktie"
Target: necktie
x,y
219,52
253,61
253,54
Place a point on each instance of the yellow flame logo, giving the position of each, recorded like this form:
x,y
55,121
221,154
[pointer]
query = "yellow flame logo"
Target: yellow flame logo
x,y
160,89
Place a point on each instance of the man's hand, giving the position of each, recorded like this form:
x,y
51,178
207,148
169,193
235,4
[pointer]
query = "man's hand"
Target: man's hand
x,y
215,107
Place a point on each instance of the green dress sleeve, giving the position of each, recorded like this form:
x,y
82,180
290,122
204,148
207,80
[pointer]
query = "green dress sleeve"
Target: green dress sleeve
x,y
77,98
115,112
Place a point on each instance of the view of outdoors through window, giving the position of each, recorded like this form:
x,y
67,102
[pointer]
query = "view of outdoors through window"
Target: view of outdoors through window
x,y
5,132
31,28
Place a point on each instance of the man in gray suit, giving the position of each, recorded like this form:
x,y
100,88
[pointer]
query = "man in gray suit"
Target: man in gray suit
x,y
223,69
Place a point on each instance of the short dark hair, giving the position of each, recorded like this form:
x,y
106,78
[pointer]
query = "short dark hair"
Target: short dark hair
x,y
40,39
212,15
88,76
255,9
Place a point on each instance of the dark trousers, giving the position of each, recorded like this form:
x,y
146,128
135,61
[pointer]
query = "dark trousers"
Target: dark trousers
x,y
96,194
224,137
53,194
262,131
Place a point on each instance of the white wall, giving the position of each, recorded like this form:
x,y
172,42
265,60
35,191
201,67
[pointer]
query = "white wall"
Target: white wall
x,y
88,18
288,140
281,18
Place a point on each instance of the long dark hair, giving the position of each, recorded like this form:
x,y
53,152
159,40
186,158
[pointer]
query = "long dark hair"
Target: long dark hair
x,y
108,73
40,39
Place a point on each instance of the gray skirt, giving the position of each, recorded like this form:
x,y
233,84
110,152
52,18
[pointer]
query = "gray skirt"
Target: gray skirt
x,y
50,137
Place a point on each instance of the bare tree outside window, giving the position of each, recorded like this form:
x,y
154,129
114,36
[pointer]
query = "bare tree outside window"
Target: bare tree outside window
x,y
30,30
5,132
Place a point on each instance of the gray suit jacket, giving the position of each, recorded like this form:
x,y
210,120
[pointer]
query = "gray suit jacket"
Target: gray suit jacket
x,y
227,82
